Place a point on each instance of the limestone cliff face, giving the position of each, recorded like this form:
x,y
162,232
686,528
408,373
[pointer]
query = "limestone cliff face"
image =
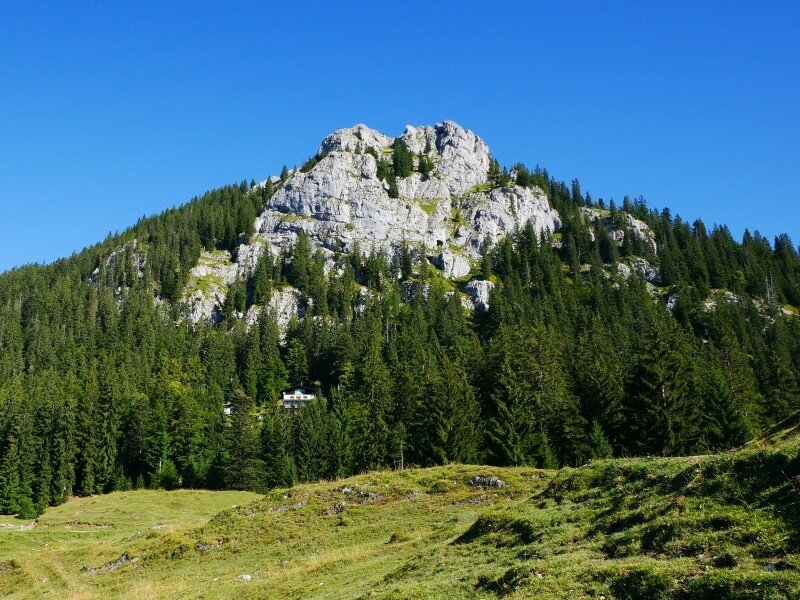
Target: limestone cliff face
x,y
448,215
208,286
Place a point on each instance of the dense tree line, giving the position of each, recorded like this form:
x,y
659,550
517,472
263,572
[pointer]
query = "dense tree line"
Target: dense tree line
x,y
104,387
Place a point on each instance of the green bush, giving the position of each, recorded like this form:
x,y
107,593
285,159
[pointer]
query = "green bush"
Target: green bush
x,y
27,510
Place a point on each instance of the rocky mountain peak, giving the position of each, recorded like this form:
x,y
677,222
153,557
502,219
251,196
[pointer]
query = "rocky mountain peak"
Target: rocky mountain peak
x,y
461,159
354,139
441,206
465,153
448,212
445,212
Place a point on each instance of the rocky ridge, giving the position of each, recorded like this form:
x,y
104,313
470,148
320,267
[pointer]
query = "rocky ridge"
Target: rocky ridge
x,y
449,214
446,216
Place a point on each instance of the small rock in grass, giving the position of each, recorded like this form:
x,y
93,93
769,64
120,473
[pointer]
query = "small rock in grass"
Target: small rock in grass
x,y
480,481
122,560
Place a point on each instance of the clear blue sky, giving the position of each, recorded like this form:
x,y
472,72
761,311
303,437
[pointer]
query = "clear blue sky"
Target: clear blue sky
x,y
117,110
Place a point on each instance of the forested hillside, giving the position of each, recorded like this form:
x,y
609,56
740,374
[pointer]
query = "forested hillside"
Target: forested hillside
x,y
106,385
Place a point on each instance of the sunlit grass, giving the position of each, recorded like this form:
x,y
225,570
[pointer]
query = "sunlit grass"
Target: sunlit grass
x,y
695,527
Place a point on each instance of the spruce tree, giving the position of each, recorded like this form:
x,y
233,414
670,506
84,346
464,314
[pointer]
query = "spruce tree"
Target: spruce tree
x,y
339,449
10,492
312,441
402,159
452,415
280,469
244,467
599,446
369,428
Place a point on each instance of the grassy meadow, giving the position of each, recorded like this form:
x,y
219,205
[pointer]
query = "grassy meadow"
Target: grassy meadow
x,y
722,527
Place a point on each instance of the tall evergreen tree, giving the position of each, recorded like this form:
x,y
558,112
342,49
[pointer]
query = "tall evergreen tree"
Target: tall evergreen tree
x,y
243,465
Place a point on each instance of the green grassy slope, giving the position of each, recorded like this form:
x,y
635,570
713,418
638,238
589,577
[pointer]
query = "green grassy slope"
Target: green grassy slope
x,y
725,526
46,560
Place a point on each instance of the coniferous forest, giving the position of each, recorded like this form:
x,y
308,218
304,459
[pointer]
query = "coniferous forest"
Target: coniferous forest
x,y
104,386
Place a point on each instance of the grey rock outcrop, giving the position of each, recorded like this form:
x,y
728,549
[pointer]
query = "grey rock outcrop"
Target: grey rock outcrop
x,y
481,481
207,287
247,256
201,306
670,303
452,264
129,258
217,266
354,139
641,266
461,158
643,232
285,305
362,299
494,214
252,315
446,215
341,200
478,291
639,228
466,301
208,284
646,270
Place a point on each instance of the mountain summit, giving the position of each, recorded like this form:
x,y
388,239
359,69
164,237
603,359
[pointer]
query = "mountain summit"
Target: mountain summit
x,y
346,197
429,190
434,192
